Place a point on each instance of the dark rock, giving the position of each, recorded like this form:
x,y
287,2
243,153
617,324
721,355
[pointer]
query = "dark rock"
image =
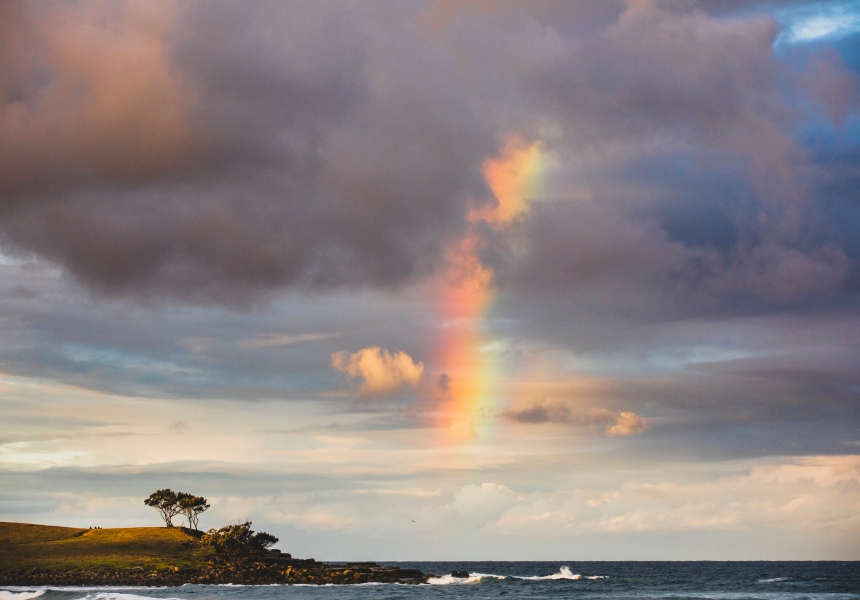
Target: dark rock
x,y
460,574
271,568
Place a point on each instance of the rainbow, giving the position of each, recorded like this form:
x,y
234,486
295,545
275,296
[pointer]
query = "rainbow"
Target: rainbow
x,y
469,364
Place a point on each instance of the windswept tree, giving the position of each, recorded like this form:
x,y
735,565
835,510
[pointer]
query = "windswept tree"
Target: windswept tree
x,y
191,506
263,541
235,543
166,502
170,504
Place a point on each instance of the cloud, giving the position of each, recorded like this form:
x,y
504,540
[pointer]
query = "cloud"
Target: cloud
x,y
627,423
816,21
789,492
348,153
270,340
622,423
832,86
380,372
309,160
664,86
315,519
539,413
180,427
198,347
72,79
443,382
487,500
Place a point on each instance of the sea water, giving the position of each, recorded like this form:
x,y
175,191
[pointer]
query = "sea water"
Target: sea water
x,y
529,580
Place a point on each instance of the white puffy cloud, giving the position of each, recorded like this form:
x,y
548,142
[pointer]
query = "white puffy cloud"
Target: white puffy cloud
x,y
807,493
379,371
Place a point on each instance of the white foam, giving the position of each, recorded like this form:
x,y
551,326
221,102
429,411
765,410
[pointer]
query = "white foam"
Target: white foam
x,y
472,578
563,573
20,595
774,580
450,579
118,596
81,588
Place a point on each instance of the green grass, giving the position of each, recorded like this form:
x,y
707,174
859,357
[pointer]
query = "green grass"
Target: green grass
x,y
25,546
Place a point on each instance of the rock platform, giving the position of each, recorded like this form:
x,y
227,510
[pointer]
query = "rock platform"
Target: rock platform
x,y
265,570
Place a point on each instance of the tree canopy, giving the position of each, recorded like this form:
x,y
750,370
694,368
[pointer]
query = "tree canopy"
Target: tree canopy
x,y
170,503
166,502
237,542
191,506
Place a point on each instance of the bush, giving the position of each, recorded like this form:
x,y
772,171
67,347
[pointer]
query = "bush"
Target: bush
x,y
235,543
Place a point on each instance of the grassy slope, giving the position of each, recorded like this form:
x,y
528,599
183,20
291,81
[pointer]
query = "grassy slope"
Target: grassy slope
x,y
25,546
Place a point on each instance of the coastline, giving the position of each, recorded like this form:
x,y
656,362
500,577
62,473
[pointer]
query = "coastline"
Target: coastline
x,y
264,571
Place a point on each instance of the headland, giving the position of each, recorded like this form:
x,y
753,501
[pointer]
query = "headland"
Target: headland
x,y
161,556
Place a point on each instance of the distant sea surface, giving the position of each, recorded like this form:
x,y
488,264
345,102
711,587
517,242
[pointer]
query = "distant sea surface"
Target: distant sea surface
x,y
533,581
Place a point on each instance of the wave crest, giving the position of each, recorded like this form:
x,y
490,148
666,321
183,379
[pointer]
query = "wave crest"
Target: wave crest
x,y
118,596
27,595
472,578
563,573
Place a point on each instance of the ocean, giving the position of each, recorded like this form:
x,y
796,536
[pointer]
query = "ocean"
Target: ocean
x,y
532,581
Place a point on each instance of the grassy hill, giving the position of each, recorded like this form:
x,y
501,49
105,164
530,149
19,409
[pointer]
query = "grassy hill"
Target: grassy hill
x,y
25,546
67,556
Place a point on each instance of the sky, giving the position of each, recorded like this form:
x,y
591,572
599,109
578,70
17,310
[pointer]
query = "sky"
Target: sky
x,y
437,279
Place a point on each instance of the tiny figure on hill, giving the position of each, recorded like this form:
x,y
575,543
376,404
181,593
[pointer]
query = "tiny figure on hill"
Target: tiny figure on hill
x,y
236,543
170,504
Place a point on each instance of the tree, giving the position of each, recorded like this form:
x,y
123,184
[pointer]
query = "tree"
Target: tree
x,y
263,541
166,502
235,543
191,506
170,504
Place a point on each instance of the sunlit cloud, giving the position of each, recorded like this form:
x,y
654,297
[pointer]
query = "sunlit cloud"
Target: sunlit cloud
x,y
832,20
378,371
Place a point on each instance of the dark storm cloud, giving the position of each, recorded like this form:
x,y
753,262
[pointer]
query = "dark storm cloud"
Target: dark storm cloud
x,y
86,100
225,151
703,198
316,145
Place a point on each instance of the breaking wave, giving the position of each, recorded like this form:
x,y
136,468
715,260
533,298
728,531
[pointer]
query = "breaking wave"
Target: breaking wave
x,y
563,573
118,596
28,595
472,578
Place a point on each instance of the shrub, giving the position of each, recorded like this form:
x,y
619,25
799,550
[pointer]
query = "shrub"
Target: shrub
x,y
235,543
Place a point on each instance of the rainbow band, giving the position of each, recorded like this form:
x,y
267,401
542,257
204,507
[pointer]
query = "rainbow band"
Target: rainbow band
x,y
464,351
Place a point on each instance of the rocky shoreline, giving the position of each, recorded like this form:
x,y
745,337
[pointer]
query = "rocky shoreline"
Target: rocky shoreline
x,y
265,570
